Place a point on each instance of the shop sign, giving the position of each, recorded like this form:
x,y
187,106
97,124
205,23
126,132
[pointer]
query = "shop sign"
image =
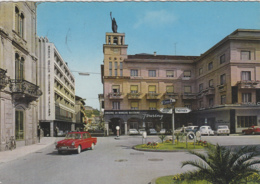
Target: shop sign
x,y
251,103
182,110
152,116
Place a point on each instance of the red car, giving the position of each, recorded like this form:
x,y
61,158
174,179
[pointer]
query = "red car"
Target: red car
x,y
251,130
76,141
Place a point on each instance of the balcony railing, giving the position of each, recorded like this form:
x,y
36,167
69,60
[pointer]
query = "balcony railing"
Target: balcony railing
x,y
135,96
115,95
171,95
189,96
222,88
207,91
248,84
152,96
4,80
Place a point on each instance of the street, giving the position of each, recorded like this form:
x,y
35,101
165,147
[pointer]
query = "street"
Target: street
x,y
112,161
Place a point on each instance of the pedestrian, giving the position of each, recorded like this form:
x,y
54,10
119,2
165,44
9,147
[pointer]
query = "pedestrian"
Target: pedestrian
x,y
39,133
56,131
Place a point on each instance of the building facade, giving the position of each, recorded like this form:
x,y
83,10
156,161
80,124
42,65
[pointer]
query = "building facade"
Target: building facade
x,y
19,88
57,104
81,116
220,87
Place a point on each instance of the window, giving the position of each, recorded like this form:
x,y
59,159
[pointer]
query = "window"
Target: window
x,y
151,89
223,79
201,104
211,102
152,73
19,125
134,73
16,19
110,68
115,68
200,71
133,89
19,67
152,106
134,105
116,105
187,89
169,73
246,97
223,99
246,76
245,55
210,66
169,89
19,22
188,105
116,89
200,87
121,68
21,29
211,83
222,59
246,121
187,73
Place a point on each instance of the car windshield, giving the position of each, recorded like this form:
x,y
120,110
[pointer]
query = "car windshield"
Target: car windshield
x,y
222,127
73,136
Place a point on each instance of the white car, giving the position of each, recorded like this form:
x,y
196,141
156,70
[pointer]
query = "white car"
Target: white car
x,y
222,130
163,131
133,132
141,131
206,130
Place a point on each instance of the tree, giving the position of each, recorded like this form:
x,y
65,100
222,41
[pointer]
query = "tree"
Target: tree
x,y
221,165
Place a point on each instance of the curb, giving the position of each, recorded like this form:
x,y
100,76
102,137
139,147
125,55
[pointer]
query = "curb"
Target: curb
x,y
152,150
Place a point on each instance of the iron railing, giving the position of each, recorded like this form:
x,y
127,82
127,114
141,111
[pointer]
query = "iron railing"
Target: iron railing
x,y
23,86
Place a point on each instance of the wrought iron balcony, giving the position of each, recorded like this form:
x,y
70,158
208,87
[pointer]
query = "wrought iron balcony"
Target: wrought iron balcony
x,y
4,80
23,90
134,96
171,95
222,88
115,95
248,84
152,96
189,96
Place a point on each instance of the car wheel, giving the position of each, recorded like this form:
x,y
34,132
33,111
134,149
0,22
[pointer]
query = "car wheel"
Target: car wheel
x,y
79,149
92,146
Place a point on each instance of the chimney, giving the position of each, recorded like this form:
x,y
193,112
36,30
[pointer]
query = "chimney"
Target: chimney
x,y
154,53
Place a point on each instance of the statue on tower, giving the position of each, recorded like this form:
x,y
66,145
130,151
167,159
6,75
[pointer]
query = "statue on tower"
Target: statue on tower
x,y
114,25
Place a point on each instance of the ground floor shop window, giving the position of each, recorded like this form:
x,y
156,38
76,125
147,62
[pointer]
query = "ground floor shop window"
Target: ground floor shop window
x,y
19,125
246,121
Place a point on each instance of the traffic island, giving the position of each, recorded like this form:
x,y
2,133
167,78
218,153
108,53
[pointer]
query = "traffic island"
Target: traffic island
x,y
167,146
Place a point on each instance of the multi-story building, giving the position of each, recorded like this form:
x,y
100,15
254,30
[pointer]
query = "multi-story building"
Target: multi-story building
x,y
220,87
57,104
81,116
19,88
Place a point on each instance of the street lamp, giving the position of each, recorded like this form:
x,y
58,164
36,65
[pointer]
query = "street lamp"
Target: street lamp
x,y
84,73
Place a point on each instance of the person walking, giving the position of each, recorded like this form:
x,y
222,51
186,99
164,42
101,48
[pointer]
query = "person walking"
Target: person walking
x,y
39,133
56,131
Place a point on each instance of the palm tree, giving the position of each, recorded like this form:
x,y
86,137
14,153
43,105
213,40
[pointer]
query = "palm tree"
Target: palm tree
x,y
221,165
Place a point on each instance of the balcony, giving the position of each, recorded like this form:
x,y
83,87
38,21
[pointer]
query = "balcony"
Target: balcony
x,y
115,96
222,88
171,95
189,96
4,80
152,96
24,91
134,96
248,84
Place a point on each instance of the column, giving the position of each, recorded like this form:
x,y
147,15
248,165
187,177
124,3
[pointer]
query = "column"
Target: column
x,y
119,40
51,129
125,128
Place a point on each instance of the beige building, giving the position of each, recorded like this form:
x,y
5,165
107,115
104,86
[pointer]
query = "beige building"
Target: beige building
x,y
57,104
19,88
220,87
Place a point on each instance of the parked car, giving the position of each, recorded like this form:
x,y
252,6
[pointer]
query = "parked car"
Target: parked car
x,y
222,130
163,131
152,131
180,130
251,130
76,141
133,132
192,129
206,130
141,131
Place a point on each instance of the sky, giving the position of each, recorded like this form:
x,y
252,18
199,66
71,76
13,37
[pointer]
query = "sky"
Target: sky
x,y
168,28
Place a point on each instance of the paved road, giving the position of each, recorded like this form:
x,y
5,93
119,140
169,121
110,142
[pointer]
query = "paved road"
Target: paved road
x,y
112,162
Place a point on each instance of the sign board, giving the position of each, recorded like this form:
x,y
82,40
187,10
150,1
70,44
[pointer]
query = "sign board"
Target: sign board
x,y
166,110
168,101
182,110
190,135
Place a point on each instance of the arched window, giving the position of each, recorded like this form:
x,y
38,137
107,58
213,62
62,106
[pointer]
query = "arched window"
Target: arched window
x,y
21,28
16,19
19,68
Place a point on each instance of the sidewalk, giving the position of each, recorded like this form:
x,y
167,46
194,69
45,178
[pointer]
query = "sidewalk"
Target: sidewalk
x,y
6,156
